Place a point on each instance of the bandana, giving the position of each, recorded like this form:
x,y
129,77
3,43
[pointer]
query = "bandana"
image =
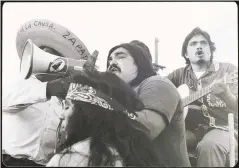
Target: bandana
x,y
91,95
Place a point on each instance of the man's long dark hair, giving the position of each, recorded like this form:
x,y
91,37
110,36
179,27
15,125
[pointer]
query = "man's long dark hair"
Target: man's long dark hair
x,y
142,61
194,32
110,129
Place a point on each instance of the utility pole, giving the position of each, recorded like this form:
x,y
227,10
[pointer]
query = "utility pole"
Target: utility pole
x,y
156,50
156,66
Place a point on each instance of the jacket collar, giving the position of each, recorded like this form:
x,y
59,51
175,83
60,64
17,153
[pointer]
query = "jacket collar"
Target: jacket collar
x,y
212,67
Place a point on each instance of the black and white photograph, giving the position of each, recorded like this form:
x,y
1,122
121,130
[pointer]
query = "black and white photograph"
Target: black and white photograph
x,y
117,84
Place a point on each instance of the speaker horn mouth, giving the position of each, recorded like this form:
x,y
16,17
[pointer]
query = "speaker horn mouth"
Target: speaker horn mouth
x,y
27,60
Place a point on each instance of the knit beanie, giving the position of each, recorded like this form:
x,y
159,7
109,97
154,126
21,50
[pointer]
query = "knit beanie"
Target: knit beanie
x,y
141,59
143,46
136,52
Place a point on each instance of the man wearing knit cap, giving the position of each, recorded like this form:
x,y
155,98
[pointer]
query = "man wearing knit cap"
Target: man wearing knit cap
x,y
163,115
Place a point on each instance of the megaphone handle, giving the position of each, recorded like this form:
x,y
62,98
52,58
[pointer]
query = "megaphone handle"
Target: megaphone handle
x,y
75,65
79,65
90,63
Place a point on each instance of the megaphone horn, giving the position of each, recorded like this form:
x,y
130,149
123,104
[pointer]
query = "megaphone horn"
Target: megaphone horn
x,y
36,61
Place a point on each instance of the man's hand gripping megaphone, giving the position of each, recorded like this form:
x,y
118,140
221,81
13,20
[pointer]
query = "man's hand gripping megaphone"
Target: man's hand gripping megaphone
x,y
59,87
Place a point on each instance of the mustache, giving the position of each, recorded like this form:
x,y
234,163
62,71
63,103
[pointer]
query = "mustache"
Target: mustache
x,y
199,52
113,68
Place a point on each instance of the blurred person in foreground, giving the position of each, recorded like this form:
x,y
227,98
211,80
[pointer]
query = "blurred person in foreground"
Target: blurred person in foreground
x,y
100,126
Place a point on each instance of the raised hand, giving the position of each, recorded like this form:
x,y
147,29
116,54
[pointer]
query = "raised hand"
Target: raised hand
x,y
90,63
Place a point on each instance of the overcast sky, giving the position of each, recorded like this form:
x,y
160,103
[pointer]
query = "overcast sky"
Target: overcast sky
x,y
103,25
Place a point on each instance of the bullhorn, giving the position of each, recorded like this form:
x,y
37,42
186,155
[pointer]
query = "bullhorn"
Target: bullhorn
x,y
36,61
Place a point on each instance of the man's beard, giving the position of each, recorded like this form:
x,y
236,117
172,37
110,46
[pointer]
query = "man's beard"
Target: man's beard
x,y
201,62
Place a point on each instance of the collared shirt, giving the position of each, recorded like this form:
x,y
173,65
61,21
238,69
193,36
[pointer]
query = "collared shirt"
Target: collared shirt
x,y
216,107
29,121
